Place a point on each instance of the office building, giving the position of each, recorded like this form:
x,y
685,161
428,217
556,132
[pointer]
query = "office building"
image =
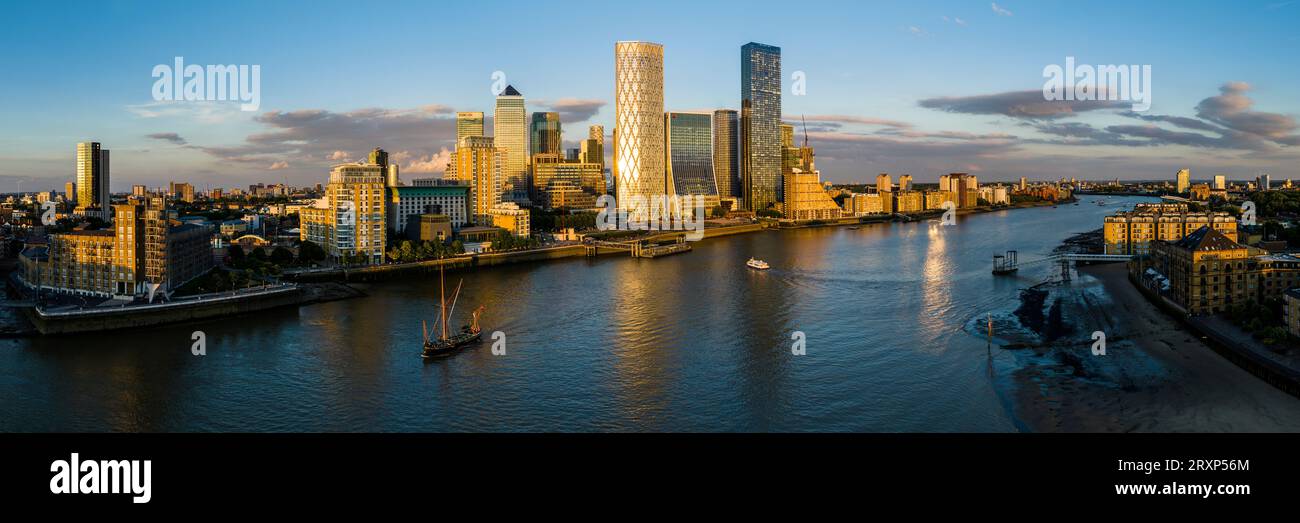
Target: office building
x,y
449,199
1220,182
544,134
639,170
469,123
510,139
760,118
559,183
726,157
905,182
690,157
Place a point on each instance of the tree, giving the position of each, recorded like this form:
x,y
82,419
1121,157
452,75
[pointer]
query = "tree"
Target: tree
x,y
281,256
407,251
236,254
309,252
259,254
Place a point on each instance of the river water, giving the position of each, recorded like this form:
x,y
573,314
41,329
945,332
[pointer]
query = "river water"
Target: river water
x,y
690,342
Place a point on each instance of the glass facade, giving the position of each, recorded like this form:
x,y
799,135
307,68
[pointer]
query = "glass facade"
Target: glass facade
x,y
469,123
545,134
760,118
726,160
690,155
510,135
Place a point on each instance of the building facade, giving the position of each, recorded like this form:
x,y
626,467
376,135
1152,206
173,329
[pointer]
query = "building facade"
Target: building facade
x,y
726,153
93,196
449,199
639,170
544,134
510,137
479,164
760,118
1132,232
690,156
469,123
349,223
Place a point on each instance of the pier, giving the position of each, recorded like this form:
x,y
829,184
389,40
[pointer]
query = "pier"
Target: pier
x,y
642,248
1009,263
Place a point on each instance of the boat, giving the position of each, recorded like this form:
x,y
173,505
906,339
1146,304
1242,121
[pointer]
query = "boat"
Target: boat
x,y
446,343
757,264
854,228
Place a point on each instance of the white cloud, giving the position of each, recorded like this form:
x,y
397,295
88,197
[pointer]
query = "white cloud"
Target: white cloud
x,y
279,165
1000,11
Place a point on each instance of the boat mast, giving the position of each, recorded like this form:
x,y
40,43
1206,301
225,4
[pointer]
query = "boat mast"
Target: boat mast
x,y
442,302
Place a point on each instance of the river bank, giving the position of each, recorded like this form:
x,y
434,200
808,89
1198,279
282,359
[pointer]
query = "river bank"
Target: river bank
x,y
1154,377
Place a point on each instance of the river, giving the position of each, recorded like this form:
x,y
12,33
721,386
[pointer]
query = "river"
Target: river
x,y
690,342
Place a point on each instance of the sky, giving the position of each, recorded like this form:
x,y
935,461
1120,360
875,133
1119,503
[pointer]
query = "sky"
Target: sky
x,y
919,87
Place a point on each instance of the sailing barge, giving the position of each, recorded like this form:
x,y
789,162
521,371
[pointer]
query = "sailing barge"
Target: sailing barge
x,y
447,343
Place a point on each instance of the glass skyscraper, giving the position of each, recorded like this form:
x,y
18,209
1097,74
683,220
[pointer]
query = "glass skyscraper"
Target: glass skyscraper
x,y
760,118
726,160
545,134
92,179
510,136
639,123
469,123
690,156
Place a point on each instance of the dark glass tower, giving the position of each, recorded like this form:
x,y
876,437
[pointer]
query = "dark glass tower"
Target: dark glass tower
x,y
726,157
690,154
545,132
760,118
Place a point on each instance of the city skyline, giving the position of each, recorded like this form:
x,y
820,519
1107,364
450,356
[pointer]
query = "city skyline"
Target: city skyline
x,y
868,109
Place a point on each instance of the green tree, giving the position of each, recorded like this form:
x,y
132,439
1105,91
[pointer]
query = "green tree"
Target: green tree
x,y
281,256
309,252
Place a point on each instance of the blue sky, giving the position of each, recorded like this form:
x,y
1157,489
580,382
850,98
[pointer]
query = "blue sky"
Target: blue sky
x,y
916,87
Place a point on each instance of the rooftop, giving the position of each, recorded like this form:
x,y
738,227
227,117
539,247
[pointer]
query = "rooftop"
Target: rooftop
x,y
1208,239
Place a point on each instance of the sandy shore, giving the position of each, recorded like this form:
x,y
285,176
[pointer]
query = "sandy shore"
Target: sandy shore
x,y
1156,377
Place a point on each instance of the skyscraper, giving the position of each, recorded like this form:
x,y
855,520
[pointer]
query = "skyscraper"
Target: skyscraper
x,y
92,179
639,122
1220,181
510,138
469,123
70,191
760,116
544,133
725,158
1183,181
593,148
690,156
